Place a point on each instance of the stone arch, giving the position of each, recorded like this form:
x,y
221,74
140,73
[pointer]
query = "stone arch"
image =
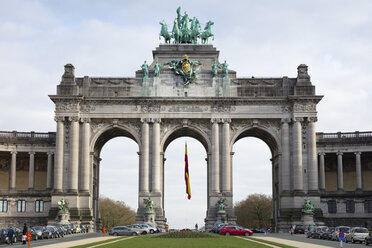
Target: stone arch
x,y
190,131
262,133
109,132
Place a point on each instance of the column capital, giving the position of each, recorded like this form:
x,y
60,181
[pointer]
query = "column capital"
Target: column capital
x,y
145,120
285,120
226,120
215,120
85,119
13,152
339,153
322,153
73,118
297,119
156,120
50,153
312,119
59,118
32,153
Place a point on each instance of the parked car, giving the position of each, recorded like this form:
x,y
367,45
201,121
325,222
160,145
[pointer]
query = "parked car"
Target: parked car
x,y
299,229
41,232
83,229
151,228
123,231
338,229
140,229
214,228
220,226
17,234
235,230
328,234
310,230
3,233
357,234
368,239
319,231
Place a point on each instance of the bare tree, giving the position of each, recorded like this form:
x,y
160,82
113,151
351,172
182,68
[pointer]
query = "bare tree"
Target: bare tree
x,y
255,211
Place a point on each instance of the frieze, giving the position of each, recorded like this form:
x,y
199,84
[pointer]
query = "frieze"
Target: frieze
x,y
188,108
67,106
304,107
222,108
86,108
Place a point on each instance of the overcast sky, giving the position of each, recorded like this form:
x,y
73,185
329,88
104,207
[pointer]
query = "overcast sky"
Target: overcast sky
x,y
257,38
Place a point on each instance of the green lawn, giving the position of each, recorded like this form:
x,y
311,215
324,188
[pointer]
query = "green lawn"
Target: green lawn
x,y
156,242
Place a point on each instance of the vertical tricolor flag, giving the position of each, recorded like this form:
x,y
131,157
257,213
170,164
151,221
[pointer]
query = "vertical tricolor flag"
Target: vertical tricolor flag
x,y
187,178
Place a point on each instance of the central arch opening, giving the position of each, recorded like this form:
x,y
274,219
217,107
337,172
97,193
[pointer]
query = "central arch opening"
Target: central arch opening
x,y
179,210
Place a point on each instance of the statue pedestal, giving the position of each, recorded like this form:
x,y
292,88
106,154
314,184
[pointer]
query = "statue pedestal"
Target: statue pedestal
x,y
150,218
308,219
221,217
63,218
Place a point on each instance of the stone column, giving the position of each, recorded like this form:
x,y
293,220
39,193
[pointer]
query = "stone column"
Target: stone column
x,y
226,165
340,174
215,165
58,158
13,169
297,155
321,171
31,171
144,159
358,167
74,154
85,160
156,156
312,166
49,171
285,165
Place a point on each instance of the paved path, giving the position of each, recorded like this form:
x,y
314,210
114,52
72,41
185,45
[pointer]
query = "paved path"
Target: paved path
x,y
77,242
292,243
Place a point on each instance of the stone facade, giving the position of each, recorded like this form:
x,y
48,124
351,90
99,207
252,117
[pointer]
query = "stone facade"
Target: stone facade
x,y
153,111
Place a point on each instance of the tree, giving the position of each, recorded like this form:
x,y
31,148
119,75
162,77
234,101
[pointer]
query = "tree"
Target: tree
x,y
115,213
255,211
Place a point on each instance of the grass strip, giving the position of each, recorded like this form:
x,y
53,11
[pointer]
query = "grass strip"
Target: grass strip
x,y
272,243
214,242
185,235
99,242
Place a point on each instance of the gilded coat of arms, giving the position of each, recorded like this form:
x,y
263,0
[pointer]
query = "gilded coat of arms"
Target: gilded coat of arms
x,y
186,68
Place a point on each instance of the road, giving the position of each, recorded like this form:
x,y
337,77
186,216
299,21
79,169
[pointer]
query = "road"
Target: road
x,y
302,238
71,237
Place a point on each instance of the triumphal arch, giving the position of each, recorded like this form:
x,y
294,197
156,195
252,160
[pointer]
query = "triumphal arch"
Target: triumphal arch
x,y
187,91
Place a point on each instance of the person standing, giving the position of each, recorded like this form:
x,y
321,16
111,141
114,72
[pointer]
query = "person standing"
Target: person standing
x,y
10,235
25,229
